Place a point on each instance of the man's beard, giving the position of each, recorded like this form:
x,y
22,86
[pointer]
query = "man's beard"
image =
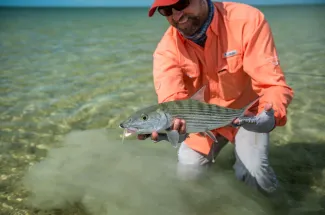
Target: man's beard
x,y
193,25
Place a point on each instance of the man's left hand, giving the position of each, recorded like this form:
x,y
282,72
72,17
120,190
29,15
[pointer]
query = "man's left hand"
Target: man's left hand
x,y
262,123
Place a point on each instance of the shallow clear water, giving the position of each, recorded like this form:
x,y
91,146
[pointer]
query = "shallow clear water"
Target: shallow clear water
x,y
80,69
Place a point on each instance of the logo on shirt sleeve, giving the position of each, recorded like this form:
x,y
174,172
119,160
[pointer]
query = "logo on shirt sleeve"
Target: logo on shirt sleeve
x,y
230,53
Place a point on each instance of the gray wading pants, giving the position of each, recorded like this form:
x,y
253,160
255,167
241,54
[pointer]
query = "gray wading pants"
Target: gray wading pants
x,y
251,166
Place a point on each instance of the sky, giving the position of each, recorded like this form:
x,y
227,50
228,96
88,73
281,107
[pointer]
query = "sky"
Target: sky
x,y
145,3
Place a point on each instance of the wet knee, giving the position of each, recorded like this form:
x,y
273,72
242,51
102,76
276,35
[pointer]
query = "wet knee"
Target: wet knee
x,y
191,164
190,171
261,177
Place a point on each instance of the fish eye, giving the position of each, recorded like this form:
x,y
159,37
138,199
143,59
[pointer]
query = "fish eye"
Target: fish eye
x,y
144,117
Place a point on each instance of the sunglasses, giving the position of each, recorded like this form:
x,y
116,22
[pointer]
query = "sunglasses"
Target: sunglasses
x,y
168,10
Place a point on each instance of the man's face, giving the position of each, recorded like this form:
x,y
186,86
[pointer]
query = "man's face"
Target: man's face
x,y
191,18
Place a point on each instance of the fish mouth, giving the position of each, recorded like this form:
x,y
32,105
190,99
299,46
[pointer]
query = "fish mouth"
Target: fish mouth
x,y
131,130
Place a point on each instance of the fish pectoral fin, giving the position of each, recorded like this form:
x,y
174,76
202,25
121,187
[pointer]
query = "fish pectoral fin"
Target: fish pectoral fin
x,y
173,137
211,135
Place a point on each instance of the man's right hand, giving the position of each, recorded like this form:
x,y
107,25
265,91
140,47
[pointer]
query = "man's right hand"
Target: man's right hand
x,y
178,124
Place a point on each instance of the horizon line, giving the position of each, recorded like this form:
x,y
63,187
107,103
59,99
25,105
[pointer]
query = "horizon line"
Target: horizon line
x,y
141,6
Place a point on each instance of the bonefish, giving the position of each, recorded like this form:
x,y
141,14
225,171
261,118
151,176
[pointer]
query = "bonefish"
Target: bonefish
x,y
200,117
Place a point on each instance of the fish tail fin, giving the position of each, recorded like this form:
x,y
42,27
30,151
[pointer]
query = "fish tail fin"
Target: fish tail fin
x,y
244,109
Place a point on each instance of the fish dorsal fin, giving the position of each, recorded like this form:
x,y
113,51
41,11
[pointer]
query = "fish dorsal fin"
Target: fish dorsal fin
x,y
244,109
199,95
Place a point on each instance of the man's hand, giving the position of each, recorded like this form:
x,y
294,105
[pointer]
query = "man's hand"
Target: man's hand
x,y
262,123
178,124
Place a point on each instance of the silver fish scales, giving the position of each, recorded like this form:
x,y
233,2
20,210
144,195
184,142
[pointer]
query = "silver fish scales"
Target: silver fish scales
x,y
200,117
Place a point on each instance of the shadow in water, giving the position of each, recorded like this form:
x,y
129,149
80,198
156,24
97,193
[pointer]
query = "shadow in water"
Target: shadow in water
x,y
300,168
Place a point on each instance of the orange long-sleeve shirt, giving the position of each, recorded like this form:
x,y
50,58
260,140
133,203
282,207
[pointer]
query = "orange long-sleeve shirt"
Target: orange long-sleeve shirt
x,y
238,63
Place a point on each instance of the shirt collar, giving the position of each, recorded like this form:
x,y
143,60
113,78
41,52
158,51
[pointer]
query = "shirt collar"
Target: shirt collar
x,y
215,20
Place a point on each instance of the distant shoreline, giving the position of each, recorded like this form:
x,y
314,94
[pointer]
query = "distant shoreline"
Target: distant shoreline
x,y
145,7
